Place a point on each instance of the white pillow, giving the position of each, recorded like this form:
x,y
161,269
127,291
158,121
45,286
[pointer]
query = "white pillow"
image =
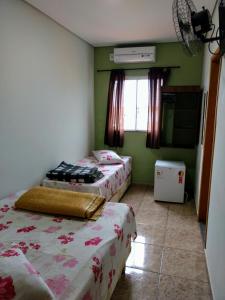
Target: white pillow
x,y
107,157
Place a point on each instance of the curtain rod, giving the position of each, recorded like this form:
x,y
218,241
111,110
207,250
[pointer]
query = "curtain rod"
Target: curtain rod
x,y
134,69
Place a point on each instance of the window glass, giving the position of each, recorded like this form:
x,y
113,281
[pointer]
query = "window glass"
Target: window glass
x,y
142,104
135,104
130,91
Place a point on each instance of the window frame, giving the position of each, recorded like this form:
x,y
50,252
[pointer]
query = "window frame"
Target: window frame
x,y
135,77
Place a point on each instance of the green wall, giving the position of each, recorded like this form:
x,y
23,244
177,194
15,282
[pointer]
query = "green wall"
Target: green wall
x,y
144,158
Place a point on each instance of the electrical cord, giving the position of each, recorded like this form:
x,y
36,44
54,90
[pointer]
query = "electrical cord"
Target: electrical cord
x,y
209,44
217,35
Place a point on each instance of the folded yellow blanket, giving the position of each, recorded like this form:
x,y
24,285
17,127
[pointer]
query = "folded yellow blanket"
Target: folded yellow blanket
x,y
63,202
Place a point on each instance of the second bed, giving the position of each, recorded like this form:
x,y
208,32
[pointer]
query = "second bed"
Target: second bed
x,y
112,186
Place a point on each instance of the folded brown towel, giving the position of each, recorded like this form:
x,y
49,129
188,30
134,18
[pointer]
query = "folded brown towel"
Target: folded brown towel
x,y
63,202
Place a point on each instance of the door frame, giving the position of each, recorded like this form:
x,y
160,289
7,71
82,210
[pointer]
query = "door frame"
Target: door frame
x,y
209,137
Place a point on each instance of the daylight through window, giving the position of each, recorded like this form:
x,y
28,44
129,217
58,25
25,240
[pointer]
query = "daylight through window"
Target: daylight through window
x,y
135,104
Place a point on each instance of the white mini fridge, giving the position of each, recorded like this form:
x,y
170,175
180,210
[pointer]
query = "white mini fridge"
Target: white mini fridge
x,y
169,181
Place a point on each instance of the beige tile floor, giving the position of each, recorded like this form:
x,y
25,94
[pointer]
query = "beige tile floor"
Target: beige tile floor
x,y
167,260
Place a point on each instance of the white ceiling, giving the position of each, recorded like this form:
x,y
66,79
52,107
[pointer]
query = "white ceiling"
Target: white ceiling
x,y
112,22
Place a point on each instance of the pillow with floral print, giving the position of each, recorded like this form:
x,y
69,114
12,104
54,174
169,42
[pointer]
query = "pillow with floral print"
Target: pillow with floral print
x,y
19,279
107,157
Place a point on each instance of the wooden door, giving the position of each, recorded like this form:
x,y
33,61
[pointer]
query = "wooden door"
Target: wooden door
x,y
210,130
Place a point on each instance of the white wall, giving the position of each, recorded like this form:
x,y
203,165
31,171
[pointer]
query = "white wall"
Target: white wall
x,y
46,96
205,87
215,247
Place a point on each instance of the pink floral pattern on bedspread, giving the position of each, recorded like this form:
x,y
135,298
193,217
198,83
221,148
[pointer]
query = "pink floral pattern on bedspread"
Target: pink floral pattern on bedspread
x,y
74,259
114,177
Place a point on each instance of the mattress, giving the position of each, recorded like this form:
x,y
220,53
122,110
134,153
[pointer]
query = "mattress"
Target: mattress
x,y
114,178
76,259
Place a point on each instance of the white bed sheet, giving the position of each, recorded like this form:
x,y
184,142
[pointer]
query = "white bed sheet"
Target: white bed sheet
x,y
77,259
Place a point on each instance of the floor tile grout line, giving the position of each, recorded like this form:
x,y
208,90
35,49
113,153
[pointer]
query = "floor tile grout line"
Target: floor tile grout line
x,y
149,244
161,262
183,277
158,287
166,274
182,249
144,270
172,248
156,245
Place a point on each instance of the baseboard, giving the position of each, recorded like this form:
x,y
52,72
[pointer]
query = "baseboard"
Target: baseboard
x,y
206,257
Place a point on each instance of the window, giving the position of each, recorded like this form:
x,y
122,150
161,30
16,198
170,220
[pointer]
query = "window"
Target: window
x,y
135,104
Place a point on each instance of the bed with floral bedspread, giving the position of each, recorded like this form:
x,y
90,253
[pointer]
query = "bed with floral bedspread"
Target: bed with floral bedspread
x,y
116,177
62,258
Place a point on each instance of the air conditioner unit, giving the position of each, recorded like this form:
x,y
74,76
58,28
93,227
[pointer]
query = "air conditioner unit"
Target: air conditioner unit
x,y
134,55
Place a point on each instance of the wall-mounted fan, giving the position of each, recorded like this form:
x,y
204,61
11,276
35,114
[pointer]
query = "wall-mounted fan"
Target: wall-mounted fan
x,y
192,27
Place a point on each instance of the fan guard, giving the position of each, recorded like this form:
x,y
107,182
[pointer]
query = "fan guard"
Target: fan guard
x,y
182,11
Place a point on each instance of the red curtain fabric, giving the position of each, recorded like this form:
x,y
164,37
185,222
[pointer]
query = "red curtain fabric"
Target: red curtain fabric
x,y
114,130
157,77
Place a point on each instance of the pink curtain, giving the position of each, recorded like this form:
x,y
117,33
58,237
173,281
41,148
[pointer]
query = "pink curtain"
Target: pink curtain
x,y
157,77
114,130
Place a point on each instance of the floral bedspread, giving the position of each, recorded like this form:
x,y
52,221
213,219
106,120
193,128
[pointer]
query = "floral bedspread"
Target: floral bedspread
x,y
63,258
114,177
